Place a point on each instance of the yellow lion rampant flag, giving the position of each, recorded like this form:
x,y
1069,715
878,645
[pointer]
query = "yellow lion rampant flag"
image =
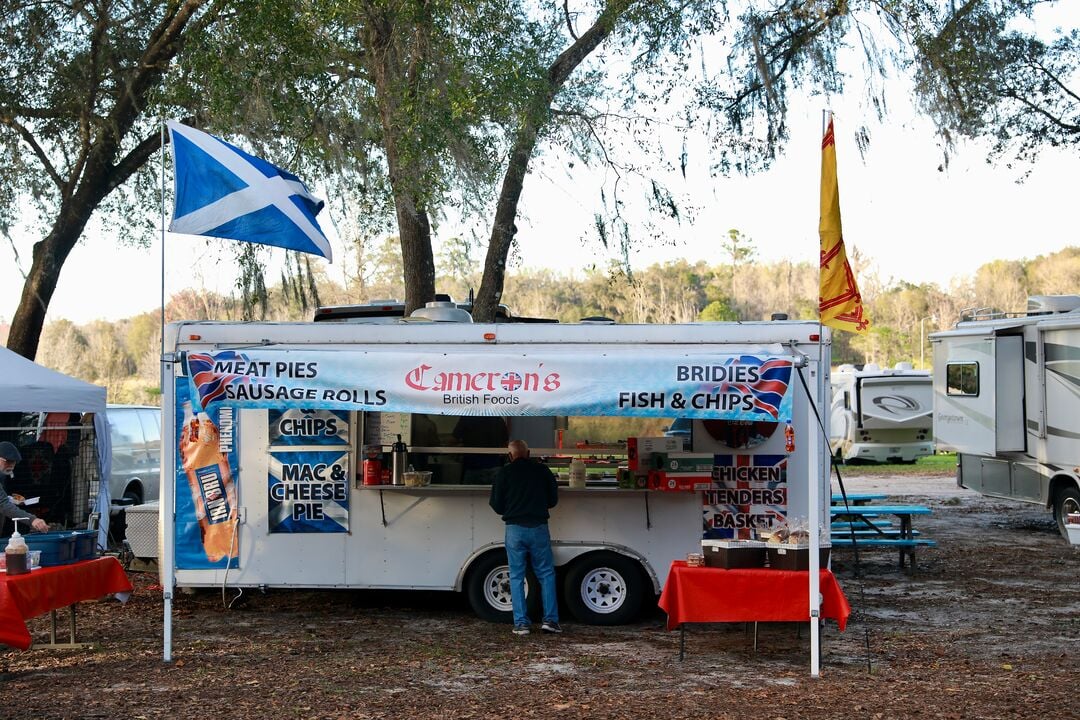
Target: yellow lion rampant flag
x,y
839,305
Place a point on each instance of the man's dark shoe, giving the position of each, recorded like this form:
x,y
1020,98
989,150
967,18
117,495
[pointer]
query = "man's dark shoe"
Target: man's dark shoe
x,y
551,627
521,629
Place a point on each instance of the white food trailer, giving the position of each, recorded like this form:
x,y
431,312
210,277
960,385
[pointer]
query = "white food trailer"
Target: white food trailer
x,y
263,482
1007,398
881,414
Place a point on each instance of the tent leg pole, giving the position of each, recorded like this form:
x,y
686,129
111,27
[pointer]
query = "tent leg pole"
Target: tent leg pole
x,y
167,635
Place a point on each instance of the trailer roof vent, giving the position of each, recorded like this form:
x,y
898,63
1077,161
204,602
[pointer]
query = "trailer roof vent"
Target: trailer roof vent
x,y
778,316
442,311
597,320
904,366
1048,304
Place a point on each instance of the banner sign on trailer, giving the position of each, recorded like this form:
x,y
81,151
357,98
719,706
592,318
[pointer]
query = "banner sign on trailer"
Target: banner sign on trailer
x,y
207,463
308,427
749,493
491,382
308,492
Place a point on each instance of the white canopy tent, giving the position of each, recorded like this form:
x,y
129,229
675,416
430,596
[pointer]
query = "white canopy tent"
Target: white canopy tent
x,y
26,386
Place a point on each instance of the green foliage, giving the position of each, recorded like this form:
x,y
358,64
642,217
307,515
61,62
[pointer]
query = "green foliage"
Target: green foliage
x,y
716,311
941,464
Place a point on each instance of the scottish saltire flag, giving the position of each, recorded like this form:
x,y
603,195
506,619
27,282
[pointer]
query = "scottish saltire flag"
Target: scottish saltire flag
x,y
839,304
221,191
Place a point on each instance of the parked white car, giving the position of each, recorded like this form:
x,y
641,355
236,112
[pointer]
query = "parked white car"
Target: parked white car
x,y
135,432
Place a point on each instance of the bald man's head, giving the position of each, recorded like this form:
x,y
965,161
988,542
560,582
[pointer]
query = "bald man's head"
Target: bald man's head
x,y
518,449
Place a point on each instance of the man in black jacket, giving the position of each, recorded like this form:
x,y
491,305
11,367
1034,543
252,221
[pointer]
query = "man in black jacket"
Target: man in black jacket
x,y
522,493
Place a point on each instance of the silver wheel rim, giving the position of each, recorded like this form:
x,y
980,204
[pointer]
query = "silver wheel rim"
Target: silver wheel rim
x,y
1071,505
497,589
603,590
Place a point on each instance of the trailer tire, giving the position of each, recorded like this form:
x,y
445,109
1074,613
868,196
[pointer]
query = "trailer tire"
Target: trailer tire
x,y
487,585
1066,500
604,588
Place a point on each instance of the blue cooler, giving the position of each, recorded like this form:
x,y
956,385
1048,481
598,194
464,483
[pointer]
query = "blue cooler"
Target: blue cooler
x,y
57,548
85,544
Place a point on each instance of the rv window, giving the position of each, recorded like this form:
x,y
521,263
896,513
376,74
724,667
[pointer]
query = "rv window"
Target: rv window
x,y
962,378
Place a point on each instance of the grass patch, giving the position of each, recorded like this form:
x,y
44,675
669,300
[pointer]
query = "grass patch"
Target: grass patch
x,y
943,464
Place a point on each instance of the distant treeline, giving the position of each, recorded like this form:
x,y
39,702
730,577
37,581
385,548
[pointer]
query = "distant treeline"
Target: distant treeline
x,y
124,355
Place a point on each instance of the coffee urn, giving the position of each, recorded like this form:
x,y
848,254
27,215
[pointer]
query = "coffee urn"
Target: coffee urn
x,y
399,462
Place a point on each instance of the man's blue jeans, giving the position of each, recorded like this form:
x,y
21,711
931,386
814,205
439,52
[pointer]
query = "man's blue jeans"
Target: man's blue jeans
x,y
533,545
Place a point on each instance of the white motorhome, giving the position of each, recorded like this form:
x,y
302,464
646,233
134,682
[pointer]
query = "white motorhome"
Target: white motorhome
x,y
881,415
1007,398
269,424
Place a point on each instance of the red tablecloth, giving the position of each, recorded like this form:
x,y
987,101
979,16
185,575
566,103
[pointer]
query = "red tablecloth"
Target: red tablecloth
x,y
26,596
704,595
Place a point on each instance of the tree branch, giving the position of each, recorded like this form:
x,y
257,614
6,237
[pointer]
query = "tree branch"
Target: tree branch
x,y
39,153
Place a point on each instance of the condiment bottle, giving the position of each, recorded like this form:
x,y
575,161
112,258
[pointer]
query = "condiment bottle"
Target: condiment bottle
x,y
16,552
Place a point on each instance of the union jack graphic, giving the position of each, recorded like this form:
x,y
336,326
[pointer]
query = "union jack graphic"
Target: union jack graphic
x,y
769,391
208,384
511,381
737,520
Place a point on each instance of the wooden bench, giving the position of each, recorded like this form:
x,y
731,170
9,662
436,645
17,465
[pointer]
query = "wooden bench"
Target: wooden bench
x,y
883,542
857,498
886,532
844,525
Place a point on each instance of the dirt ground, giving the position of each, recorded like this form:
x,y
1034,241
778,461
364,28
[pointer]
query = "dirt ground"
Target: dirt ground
x,y
988,627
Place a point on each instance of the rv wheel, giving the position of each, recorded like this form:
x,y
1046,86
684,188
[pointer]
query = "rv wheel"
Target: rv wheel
x,y
1067,500
488,588
604,588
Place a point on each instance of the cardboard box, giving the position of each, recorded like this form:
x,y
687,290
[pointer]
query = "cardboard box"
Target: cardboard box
x,y
679,482
730,554
639,450
142,529
679,462
794,557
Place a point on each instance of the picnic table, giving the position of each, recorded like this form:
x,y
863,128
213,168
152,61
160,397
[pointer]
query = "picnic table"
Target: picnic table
x,y
857,498
864,529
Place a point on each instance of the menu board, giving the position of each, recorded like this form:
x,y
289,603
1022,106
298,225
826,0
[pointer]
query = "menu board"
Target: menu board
x,y
384,428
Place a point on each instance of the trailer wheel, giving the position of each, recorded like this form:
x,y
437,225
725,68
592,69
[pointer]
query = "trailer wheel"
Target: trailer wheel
x,y
604,588
488,588
1066,500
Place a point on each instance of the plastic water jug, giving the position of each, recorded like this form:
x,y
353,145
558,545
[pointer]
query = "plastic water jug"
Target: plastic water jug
x,y
577,473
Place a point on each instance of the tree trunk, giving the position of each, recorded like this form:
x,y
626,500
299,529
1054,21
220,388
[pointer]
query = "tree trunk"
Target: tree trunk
x,y
417,257
49,257
394,78
98,176
487,297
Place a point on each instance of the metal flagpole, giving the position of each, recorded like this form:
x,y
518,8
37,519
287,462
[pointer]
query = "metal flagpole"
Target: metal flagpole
x,y
166,484
813,497
162,177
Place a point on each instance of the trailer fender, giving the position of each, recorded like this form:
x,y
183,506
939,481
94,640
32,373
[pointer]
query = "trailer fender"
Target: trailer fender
x,y
564,553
